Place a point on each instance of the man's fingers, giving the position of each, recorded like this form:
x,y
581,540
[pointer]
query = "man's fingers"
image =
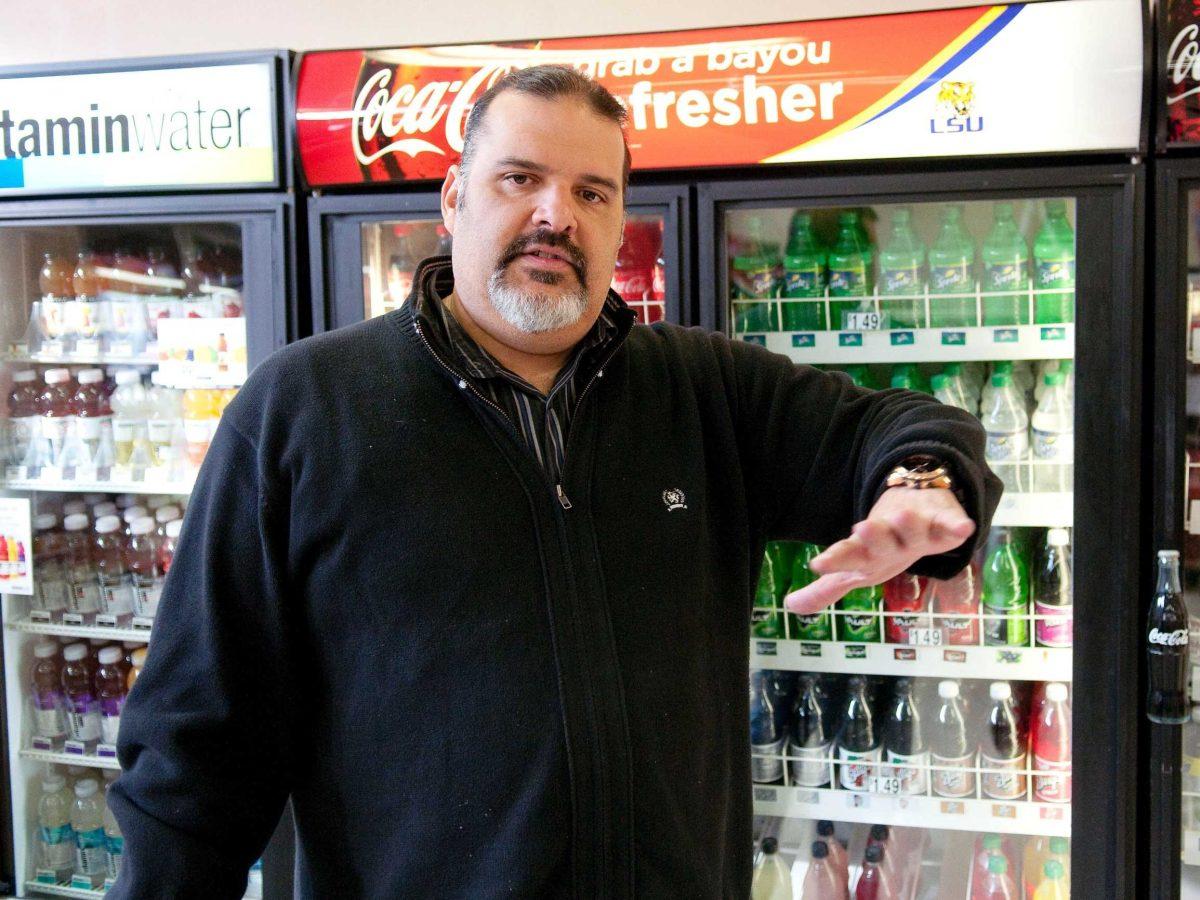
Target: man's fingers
x,y
847,554
826,590
948,529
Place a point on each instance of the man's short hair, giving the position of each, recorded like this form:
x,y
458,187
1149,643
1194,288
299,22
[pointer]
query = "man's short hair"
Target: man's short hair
x,y
548,82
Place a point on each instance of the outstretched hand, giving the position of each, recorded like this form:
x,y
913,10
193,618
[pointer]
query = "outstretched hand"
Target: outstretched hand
x,y
904,525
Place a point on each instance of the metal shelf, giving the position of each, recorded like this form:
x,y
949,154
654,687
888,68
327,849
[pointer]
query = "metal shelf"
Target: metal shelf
x,y
79,631
98,486
922,344
1005,817
89,760
62,890
993,663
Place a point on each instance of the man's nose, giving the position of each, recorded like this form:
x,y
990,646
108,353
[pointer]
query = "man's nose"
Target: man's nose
x,y
555,210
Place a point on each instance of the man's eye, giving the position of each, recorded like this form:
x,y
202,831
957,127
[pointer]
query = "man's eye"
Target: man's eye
x,y
517,178
591,196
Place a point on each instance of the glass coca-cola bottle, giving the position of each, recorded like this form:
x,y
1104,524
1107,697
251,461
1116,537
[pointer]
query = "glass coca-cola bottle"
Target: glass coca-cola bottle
x,y
1167,646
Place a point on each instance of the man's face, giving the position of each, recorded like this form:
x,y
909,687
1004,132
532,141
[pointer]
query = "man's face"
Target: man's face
x,y
537,222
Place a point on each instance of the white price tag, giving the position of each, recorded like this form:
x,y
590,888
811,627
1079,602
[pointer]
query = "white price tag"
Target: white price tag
x,y
157,474
15,473
120,349
42,743
886,785
73,618
51,473
106,751
53,349
925,637
120,473
40,616
75,748
106,620
87,348
142,623
86,473
865,321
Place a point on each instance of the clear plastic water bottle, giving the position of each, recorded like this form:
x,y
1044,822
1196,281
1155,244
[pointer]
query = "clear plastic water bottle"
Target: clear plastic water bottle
x,y
1007,427
1053,437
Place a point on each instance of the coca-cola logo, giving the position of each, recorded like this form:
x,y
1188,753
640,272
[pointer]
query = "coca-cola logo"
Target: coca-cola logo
x,y
1183,62
1177,638
409,110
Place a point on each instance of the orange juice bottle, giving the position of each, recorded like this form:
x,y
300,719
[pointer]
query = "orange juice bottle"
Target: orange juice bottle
x,y
199,412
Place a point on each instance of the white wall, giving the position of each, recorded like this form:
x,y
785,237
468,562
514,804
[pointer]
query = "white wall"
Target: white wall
x,y
53,30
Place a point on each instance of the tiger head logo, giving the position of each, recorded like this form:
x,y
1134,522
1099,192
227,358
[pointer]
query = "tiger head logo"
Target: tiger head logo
x,y
957,96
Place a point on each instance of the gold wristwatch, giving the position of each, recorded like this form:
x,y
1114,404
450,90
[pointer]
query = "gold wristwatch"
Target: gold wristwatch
x,y
920,472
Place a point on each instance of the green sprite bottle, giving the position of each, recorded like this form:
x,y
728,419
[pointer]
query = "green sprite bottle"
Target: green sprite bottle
x,y
816,626
1054,259
1005,269
804,277
901,263
859,623
754,279
1005,594
766,620
951,282
850,269
909,377
861,376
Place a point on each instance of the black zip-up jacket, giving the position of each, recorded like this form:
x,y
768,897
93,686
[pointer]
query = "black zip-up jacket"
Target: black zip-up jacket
x,y
382,607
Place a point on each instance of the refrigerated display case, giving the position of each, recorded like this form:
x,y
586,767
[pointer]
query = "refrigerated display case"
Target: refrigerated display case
x,y
364,248
1012,294
127,323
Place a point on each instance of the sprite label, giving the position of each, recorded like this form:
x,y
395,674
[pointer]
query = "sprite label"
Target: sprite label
x,y
859,621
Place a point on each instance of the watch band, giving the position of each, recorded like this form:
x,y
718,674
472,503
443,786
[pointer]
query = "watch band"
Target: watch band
x,y
922,473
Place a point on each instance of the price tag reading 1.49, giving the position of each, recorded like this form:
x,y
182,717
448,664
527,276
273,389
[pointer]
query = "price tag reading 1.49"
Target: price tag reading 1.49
x,y
925,637
864,321
886,785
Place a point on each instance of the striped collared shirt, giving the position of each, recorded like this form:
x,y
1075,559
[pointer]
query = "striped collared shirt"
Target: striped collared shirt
x,y
543,420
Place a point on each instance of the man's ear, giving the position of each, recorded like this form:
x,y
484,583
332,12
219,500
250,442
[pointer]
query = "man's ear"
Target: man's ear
x,y
452,189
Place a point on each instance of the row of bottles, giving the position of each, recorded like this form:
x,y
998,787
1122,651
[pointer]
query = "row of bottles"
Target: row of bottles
x,y
878,735
1018,591
1012,285
78,841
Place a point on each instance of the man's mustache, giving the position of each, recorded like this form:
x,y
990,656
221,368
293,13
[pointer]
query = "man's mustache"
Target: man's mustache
x,y
548,238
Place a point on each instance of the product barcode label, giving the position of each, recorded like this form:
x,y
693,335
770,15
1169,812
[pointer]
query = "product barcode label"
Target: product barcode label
x,y
107,751
925,637
87,347
865,321
42,743
1004,811
766,795
75,748
766,648
106,620
142,623
53,349
41,616
950,808
72,618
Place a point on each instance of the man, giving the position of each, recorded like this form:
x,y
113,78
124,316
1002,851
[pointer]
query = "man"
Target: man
x,y
470,582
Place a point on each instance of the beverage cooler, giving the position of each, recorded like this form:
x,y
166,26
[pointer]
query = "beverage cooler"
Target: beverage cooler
x,y
146,264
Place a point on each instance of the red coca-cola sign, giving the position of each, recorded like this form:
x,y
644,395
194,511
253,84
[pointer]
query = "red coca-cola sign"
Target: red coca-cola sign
x,y
1179,68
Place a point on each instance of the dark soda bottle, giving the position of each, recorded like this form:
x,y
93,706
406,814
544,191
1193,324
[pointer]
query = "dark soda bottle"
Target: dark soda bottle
x,y
1167,646
858,743
1003,748
808,743
904,742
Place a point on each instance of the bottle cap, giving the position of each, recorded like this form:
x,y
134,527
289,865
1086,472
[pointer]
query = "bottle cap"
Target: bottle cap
x,y
1053,869
824,828
110,655
129,376
1168,556
874,853
990,842
154,503
76,522
25,376
947,689
131,645
45,651
52,783
1058,537
45,521
938,382
902,684
138,657
1000,690
997,864
144,525
769,845
165,514
124,501
86,788
174,527
133,512
98,642
820,849
1001,379
107,524
91,376
1058,846
75,652
93,499
1056,692
879,832
74,506
100,510
1052,379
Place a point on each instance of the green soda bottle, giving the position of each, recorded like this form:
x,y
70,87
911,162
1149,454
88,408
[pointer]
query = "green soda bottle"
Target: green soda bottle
x,y
804,277
754,279
909,377
861,376
850,270
1005,594
1005,268
860,622
816,626
951,260
1054,259
766,621
900,267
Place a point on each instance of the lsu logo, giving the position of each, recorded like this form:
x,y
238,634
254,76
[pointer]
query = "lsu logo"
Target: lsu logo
x,y
673,498
955,100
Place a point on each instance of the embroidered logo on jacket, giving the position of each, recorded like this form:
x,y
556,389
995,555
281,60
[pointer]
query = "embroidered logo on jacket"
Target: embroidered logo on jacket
x,y
674,499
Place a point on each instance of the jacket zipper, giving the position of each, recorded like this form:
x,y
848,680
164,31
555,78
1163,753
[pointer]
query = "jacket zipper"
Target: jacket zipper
x,y
563,500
